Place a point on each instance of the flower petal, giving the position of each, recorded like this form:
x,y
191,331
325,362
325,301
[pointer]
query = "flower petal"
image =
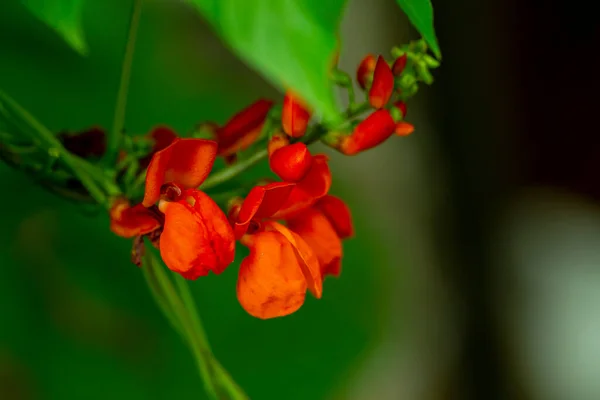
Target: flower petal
x,y
291,162
311,188
374,130
196,237
308,261
383,84
262,202
243,128
294,115
318,233
270,281
338,214
185,162
128,222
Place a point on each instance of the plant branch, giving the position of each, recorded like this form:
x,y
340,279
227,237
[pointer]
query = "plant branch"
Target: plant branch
x,y
114,138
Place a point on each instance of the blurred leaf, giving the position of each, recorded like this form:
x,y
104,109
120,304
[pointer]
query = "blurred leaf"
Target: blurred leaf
x,y
291,42
64,16
420,14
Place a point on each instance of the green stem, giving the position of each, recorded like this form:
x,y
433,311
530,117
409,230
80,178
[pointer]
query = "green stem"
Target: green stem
x,y
114,138
230,172
234,391
201,353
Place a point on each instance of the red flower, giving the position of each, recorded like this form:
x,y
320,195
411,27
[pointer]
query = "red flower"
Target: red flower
x,y
294,115
374,130
86,144
365,71
196,236
383,84
128,222
281,266
399,65
243,128
323,227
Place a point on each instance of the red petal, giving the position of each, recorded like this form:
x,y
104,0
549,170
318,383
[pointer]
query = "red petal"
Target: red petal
x,y
243,128
294,115
308,261
185,162
366,67
383,84
197,237
291,163
261,202
163,136
399,65
315,185
404,128
316,231
374,130
338,214
128,222
270,282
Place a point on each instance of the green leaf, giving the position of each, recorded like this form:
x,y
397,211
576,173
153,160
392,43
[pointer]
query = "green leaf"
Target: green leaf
x,y
420,14
291,42
64,16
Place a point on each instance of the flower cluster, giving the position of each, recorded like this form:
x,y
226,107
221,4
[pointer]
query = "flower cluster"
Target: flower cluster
x,y
292,226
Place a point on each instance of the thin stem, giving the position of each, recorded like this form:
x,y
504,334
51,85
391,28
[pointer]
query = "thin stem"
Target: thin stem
x,y
114,137
230,172
225,379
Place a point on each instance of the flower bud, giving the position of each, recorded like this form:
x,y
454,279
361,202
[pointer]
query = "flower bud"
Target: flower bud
x,y
374,130
365,69
292,162
243,128
400,105
383,84
294,115
399,64
277,141
404,128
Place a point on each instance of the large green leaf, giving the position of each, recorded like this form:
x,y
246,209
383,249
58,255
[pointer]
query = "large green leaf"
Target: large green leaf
x,y
420,14
291,42
64,16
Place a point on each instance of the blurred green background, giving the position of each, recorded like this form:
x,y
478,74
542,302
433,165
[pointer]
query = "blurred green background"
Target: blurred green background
x,y
475,271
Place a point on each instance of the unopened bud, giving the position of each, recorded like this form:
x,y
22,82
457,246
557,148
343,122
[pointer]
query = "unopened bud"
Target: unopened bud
x,y
292,162
383,84
294,115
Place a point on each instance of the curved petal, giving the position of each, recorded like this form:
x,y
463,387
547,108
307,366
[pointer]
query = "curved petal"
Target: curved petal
x,y
243,128
196,237
270,282
316,230
185,162
338,214
308,261
314,186
128,222
292,162
262,202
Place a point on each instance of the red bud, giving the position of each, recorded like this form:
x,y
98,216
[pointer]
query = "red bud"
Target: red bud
x,y
276,142
374,130
294,115
404,128
402,107
365,68
292,162
243,128
399,65
383,84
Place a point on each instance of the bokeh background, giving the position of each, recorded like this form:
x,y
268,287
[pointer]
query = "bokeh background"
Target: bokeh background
x,y
475,271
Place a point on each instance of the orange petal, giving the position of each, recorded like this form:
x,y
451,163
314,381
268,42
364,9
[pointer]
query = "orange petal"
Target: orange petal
x,y
292,162
318,233
338,214
383,84
365,69
294,115
308,261
243,128
185,162
270,281
374,130
404,128
196,237
262,202
128,222
311,188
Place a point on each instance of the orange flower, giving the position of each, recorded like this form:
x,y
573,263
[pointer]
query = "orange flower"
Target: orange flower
x,y
374,130
281,266
196,237
128,222
294,115
383,84
322,227
365,71
243,128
